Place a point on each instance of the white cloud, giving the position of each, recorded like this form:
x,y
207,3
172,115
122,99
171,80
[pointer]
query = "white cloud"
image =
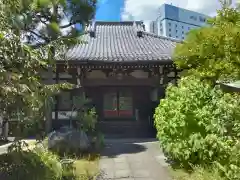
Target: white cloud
x,y
146,9
208,7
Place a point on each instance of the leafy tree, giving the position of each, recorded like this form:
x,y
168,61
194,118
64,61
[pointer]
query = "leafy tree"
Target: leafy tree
x,y
31,38
213,52
48,26
198,123
42,22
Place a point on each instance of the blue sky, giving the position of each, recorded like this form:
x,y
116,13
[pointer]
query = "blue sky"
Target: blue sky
x,y
116,10
146,10
109,10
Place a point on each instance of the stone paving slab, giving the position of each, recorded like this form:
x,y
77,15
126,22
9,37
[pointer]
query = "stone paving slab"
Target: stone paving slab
x,y
127,160
4,148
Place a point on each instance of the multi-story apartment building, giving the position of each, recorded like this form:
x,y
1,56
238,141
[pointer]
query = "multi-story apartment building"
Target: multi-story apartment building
x,y
176,22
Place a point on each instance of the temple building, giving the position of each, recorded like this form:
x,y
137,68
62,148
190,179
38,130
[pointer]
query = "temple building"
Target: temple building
x,y
123,70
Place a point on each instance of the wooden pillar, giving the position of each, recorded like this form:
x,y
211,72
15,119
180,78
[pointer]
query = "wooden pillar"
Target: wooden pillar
x,y
176,75
165,76
56,97
79,74
79,78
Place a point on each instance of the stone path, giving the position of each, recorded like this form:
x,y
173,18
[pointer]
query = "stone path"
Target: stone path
x,y
4,148
133,160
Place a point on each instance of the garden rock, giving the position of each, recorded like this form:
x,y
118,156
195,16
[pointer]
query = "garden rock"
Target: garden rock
x,y
54,138
68,138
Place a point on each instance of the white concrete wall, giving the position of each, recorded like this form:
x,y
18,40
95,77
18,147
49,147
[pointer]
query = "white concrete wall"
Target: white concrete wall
x,y
98,74
95,74
139,74
64,114
171,74
65,75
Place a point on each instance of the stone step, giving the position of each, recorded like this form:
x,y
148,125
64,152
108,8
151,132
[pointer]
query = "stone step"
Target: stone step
x,y
126,129
118,129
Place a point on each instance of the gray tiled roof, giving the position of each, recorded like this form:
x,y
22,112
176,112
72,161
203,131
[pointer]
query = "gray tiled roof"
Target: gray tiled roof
x,y
118,41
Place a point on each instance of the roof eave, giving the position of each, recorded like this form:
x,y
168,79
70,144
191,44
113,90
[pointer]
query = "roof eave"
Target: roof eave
x,y
97,62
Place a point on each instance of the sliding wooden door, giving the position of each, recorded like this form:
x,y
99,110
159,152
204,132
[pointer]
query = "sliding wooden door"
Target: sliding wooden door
x,y
118,103
110,104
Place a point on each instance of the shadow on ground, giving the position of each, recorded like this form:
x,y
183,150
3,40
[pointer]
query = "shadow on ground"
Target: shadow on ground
x,y
114,147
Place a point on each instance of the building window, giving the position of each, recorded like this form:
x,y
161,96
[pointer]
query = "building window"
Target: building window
x,y
202,19
182,32
193,18
176,25
182,37
169,24
170,35
176,36
176,31
189,28
182,27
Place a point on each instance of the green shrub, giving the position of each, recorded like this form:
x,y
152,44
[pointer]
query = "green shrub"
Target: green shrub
x,y
69,172
51,162
198,173
98,142
87,119
30,165
86,114
199,124
231,169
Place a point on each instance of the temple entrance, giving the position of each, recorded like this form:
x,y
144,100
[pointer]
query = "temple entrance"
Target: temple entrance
x,y
118,103
121,103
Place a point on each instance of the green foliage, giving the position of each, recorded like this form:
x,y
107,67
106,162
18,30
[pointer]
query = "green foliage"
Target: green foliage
x,y
86,116
99,142
33,35
199,124
29,165
213,52
69,174
45,21
88,120
231,169
69,171
22,94
198,173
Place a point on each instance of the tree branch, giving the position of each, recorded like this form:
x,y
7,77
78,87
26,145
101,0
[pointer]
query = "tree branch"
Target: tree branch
x,y
39,36
67,25
41,19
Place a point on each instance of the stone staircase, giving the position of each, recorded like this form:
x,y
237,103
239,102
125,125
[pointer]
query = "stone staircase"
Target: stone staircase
x,y
126,129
